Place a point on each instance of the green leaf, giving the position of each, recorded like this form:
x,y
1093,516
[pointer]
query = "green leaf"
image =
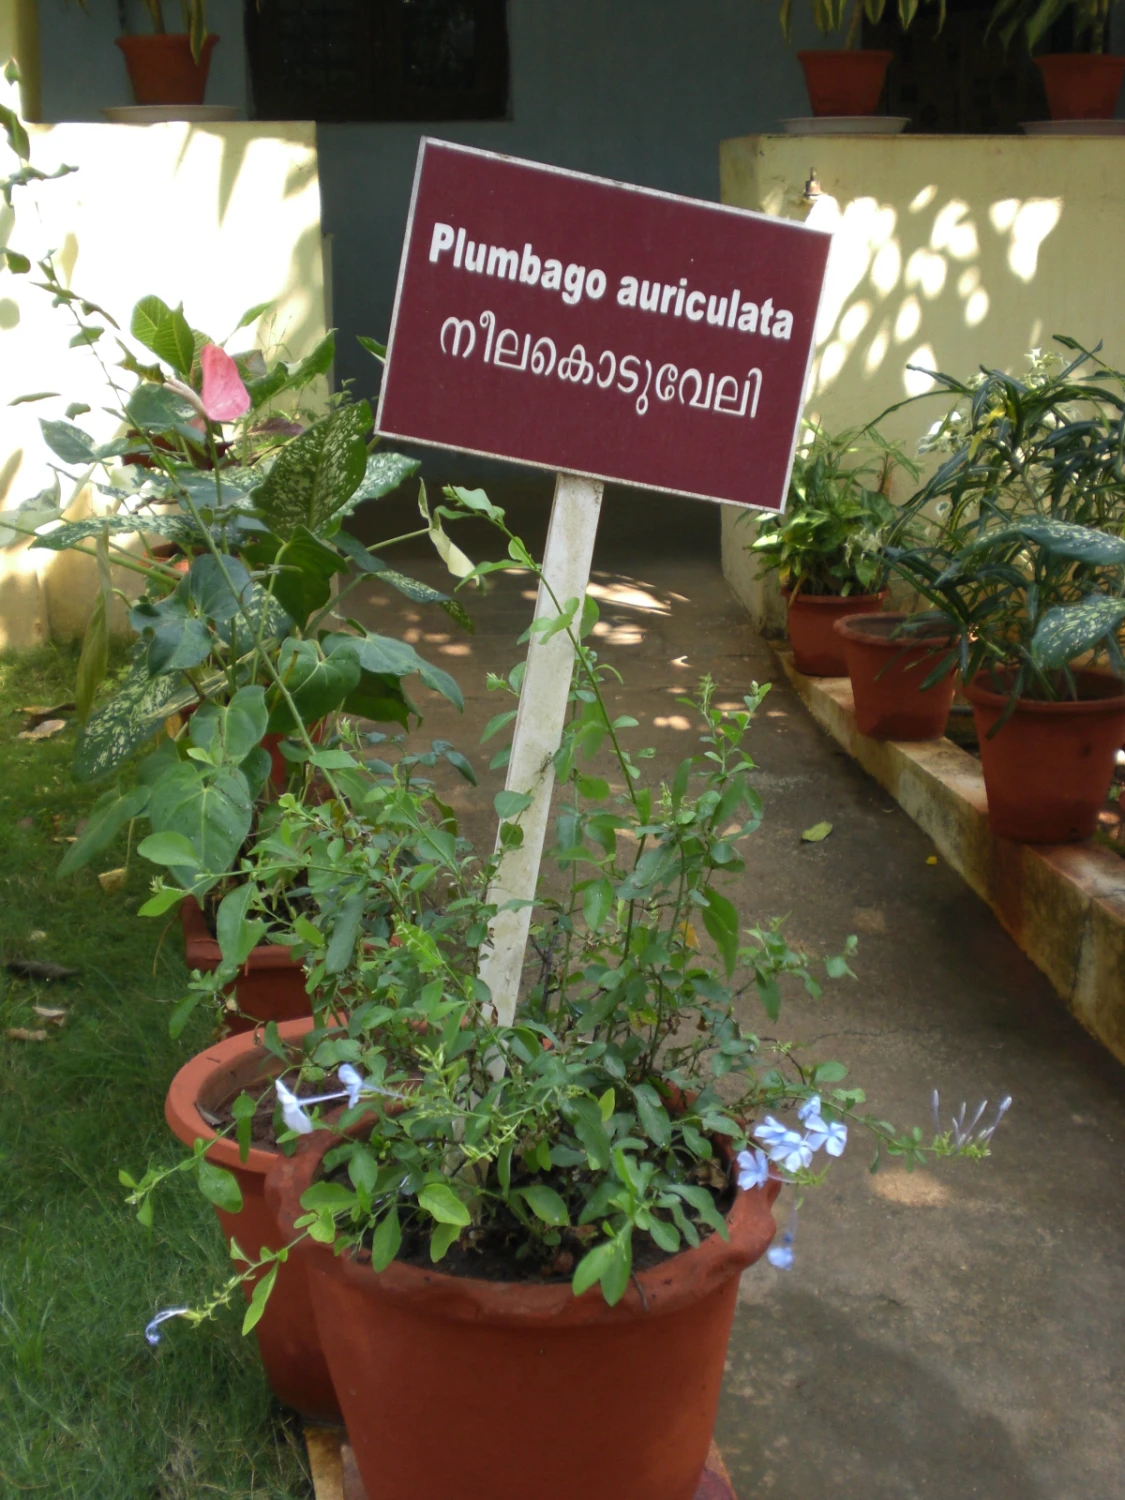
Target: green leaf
x,y
721,920
109,815
303,572
594,788
317,685
316,474
13,129
219,1187
158,904
230,734
345,930
385,656
169,849
386,1240
258,1299
817,833
653,1116
441,1239
252,314
545,1204
372,346
510,804
165,332
210,808
210,592
597,902
592,1267
68,442
157,409
384,473
133,715
1070,630
237,936
94,659
1064,538
443,1204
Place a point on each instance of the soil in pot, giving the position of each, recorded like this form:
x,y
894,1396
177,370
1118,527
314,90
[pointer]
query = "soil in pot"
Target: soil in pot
x,y
887,672
630,1391
270,987
1047,769
817,650
162,69
287,1333
845,82
1082,85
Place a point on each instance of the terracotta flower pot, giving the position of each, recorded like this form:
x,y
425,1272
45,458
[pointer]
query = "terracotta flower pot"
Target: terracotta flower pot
x,y
270,987
1082,85
162,69
817,650
446,1382
287,1334
1048,769
845,82
887,673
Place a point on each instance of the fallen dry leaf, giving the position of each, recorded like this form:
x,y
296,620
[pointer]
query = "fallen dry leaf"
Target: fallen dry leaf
x,y
931,859
37,711
56,1014
111,881
816,833
26,823
29,968
43,731
23,1034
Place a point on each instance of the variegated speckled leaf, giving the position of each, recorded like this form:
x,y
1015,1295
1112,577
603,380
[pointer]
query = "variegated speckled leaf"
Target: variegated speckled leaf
x,y
384,473
315,475
1070,630
133,715
70,533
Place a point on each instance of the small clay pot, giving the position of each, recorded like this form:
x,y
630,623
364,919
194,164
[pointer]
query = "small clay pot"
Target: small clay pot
x,y
635,1386
1048,769
287,1333
1082,85
817,650
887,672
162,69
270,985
848,82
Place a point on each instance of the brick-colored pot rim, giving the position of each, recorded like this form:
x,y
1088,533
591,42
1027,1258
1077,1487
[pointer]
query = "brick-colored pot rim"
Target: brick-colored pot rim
x,y
191,1085
202,951
672,1286
851,627
985,697
167,41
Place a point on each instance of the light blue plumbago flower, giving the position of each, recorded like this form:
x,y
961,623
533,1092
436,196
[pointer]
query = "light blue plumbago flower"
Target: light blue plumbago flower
x,y
966,1135
162,1317
292,1111
770,1132
781,1255
831,1134
809,1110
753,1169
352,1081
787,1148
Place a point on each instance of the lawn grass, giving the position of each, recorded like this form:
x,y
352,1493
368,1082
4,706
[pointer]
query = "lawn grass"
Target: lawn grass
x,y
89,1410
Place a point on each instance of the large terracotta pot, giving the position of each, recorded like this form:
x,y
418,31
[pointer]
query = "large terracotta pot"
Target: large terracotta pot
x,y
845,82
162,69
817,650
1082,85
453,1387
887,673
270,986
287,1334
1048,769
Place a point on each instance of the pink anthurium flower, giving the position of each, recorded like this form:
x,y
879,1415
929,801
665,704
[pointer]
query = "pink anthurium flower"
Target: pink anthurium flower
x,y
225,398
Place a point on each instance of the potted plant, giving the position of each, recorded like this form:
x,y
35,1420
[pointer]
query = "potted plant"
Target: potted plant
x,y
902,670
847,81
825,547
1080,85
1027,572
169,67
549,1214
240,658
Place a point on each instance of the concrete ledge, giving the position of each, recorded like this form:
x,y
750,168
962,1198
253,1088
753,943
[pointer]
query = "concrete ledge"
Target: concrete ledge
x,y
1064,905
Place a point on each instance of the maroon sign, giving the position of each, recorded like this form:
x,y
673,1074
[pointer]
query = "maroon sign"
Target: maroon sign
x,y
577,324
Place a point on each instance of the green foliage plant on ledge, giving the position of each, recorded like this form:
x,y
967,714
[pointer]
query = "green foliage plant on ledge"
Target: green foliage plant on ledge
x,y
847,16
1026,565
1036,17
194,18
837,512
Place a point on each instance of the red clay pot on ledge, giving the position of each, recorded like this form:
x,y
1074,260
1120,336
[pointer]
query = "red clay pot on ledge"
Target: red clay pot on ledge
x,y
445,1381
1082,85
1048,769
887,673
270,987
845,82
162,69
817,650
287,1334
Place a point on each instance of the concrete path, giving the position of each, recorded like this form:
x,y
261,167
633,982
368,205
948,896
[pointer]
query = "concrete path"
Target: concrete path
x,y
945,1335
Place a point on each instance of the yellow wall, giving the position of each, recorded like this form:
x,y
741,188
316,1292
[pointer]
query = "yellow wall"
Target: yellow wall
x,y
220,217
950,252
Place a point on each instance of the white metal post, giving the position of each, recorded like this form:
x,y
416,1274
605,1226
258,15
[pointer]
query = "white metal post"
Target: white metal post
x,y
538,732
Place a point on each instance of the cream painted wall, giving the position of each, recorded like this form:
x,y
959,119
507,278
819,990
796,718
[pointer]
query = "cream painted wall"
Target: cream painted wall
x,y
220,217
950,252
